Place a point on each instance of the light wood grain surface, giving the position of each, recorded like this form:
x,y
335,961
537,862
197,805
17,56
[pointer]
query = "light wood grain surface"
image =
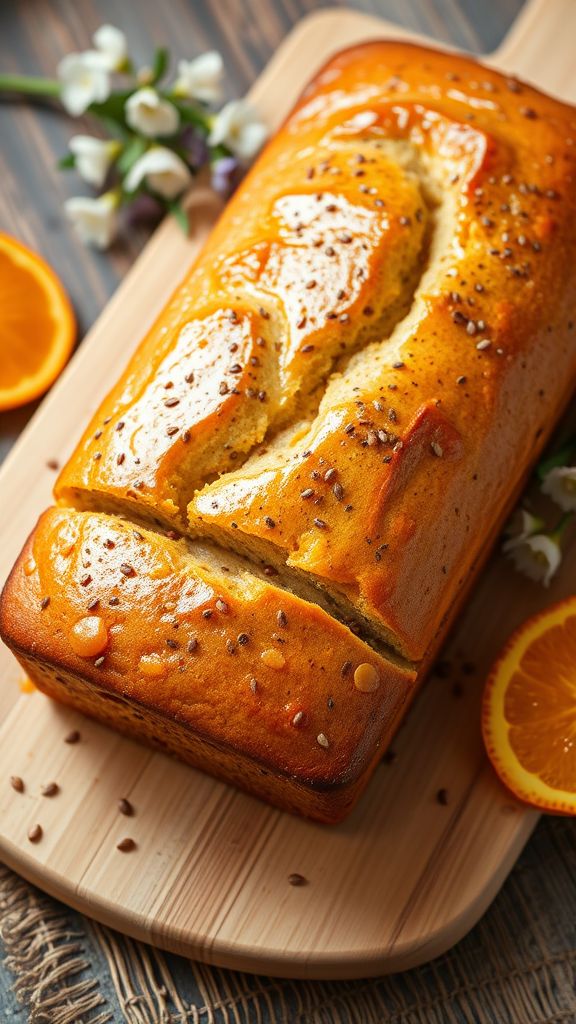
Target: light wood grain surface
x,y
397,883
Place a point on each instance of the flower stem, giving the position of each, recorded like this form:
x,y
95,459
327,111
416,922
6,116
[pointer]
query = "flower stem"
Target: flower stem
x,y
29,86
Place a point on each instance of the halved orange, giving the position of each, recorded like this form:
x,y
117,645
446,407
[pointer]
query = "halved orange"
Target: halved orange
x,y
529,711
37,327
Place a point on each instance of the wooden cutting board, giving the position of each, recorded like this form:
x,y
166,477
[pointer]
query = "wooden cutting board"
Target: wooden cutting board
x,y
408,874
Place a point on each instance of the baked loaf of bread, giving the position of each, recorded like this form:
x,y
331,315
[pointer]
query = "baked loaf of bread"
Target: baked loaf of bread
x,y
183,645
347,391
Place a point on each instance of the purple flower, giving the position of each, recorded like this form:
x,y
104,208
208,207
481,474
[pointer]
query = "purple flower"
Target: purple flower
x,y
225,175
195,147
144,208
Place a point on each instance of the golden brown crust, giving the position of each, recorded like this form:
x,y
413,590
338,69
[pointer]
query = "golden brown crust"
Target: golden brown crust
x,y
387,497
354,379
226,660
233,357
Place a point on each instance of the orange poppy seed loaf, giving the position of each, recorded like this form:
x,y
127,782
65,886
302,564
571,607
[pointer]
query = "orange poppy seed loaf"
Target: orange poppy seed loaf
x,y
183,645
338,407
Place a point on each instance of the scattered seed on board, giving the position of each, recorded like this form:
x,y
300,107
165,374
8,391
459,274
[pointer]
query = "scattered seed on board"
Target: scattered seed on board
x,y
72,737
442,797
35,833
17,783
50,789
125,807
296,879
126,845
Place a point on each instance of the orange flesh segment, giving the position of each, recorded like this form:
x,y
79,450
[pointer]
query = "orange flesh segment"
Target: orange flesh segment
x,y
36,328
529,711
540,706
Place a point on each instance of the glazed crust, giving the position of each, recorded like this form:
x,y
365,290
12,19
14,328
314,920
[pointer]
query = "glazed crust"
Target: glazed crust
x,y
386,498
233,358
241,672
349,386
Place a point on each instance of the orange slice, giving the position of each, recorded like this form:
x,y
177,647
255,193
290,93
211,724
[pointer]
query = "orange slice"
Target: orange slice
x,y
529,711
37,326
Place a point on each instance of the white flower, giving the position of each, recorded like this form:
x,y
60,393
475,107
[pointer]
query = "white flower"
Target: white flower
x,y
238,127
560,485
538,557
110,43
94,219
83,80
524,525
93,157
201,79
163,171
149,114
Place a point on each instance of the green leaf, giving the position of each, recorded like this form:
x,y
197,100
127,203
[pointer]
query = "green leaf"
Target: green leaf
x,y
191,115
111,111
217,152
132,152
159,64
114,129
66,162
179,214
